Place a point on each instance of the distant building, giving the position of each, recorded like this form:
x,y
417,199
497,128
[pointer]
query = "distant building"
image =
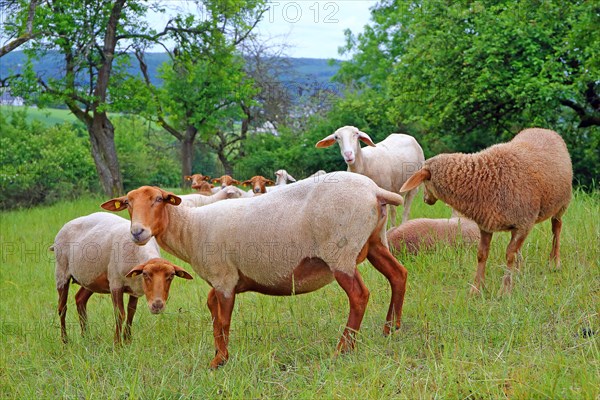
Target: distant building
x,y
6,99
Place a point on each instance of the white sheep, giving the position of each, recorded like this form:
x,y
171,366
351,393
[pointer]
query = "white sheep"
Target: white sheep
x,y
199,200
389,163
506,187
97,253
257,244
283,177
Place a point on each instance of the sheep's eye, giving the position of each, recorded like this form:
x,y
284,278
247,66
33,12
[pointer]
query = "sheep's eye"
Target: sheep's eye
x,y
171,276
336,137
159,199
144,274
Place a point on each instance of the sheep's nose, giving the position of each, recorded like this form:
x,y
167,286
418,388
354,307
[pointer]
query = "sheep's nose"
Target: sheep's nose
x,y
256,190
157,306
349,155
136,233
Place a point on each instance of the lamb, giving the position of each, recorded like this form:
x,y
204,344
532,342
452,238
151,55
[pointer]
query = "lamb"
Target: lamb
x,y
283,177
226,180
335,227
97,253
423,234
199,200
258,184
390,163
506,187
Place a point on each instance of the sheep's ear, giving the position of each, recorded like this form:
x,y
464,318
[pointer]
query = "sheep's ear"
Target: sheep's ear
x,y
170,198
187,178
415,180
326,142
135,271
206,178
182,273
269,182
365,138
215,180
291,178
117,204
235,182
247,182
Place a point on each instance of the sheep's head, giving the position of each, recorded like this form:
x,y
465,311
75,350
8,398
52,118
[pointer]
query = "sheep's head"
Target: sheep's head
x,y
282,177
421,176
258,184
157,275
226,180
231,192
347,137
197,180
146,206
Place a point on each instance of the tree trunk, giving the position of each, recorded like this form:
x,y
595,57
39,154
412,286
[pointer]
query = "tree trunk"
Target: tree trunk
x,y
104,152
187,154
227,165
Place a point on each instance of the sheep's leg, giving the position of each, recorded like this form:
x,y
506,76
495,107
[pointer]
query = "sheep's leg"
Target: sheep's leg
x,y
358,296
482,255
221,308
392,213
408,199
81,298
63,295
396,274
555,252
119,309
514,246
131,307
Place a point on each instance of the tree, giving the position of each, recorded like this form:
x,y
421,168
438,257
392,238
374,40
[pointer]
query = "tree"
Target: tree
x,y
204,84
466,75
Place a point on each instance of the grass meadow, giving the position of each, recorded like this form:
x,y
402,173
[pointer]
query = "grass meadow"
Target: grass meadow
x,y
542,341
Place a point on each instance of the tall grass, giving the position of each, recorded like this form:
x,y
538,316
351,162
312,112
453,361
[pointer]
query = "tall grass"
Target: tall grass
x,y
539,342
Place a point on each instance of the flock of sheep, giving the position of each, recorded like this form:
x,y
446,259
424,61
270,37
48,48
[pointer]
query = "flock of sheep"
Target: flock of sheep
x,y
296,238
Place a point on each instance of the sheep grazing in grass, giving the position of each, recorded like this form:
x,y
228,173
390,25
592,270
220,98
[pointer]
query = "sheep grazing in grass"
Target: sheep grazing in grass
x,y
226,180
199,200
506,187
422,234
259,184
258,245
97,253
389,163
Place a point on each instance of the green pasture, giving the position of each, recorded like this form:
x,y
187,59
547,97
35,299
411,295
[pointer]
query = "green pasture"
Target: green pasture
x,y
540,342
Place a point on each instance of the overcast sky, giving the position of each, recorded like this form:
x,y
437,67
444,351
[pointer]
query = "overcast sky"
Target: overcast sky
x,y
315,28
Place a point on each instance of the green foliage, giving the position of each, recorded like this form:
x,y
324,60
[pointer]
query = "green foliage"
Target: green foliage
x,y
42,164
147,155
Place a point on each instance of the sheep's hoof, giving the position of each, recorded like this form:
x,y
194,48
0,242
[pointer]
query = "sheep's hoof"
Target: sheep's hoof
x,y
218,361
390,328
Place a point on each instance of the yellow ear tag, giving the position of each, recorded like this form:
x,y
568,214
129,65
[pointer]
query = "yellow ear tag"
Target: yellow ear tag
x,y
117,204
172,200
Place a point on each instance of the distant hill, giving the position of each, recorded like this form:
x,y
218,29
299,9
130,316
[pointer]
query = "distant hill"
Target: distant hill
x,y
303,71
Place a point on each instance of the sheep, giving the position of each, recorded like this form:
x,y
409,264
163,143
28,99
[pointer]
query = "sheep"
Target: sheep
x,y
506,187
96,252
199,200
283,177
389,163
338,222
424,233
226,180
197,180
258,184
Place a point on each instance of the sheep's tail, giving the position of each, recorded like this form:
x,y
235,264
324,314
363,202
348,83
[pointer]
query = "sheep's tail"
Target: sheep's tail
x,y
387,197
51,248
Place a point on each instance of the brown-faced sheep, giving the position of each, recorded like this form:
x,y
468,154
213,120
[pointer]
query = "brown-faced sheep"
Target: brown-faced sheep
x,y
256,244
506,187
97,253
